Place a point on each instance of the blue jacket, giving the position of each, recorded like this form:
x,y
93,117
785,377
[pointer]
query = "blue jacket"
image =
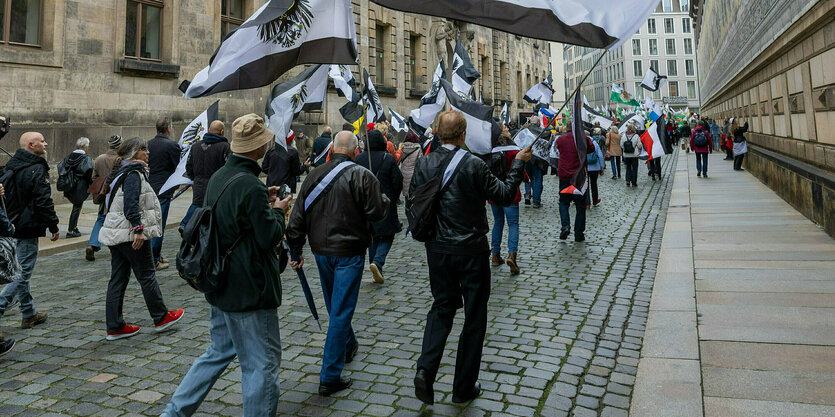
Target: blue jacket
x,y
600,162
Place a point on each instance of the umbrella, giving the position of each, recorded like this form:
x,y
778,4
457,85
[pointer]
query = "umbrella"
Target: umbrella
x,y
179,193
308,295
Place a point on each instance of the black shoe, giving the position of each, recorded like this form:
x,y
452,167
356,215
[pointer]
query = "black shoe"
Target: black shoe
x,y
699,174
74,233
527,201
423,387
579,238
705,175
564,234
349,356
536,205
327,389
475,392
6,345
90,254
614,177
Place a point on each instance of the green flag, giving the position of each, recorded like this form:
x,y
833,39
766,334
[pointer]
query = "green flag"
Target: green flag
x,y
622,96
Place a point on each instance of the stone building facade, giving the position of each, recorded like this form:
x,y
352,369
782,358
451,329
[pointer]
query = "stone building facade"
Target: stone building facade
x,y
71,68
770,62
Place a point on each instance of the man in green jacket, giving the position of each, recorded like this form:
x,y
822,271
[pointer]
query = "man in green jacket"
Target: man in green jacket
x,y
244,314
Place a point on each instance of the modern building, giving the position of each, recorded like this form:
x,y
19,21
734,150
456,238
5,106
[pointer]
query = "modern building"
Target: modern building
x,y
71,68
772,64
665,43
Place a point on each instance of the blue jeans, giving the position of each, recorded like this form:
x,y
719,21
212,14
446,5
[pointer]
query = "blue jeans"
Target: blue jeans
x,y
27,254
499,214
701,162
190,211
340,279
253,337
379,250
580,207
156,243
615,160
536,182
716,137
94,235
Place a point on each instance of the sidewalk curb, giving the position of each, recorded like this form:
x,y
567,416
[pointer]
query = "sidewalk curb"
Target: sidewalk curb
x,y
80,243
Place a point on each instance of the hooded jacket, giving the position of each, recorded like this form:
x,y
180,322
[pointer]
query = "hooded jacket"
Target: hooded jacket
x,y
80,164
411,154
319,146
384,167
29,195
206,157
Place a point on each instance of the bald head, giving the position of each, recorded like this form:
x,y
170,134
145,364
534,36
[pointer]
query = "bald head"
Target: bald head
x,y
452,128
217,127
33,142
327,129
345,143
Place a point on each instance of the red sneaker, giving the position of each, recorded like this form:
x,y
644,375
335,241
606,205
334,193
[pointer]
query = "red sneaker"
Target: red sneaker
x,y
596,202
172,317
125,332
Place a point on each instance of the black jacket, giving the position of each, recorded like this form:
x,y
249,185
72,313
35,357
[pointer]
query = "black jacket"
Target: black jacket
x,y
82,167
29,195
338,224
462,215
162,161
739,134
204,159
282,166
319,146
391,182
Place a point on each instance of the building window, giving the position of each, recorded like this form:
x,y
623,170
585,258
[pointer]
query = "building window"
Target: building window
x,y
685,25
20,21
653,63
485,77
638,90
520,92
689,70
143,31
653,46
688,46
379,54
670,46
231,16
668,5
637,70
669,25
651,26
691,89
636,47
673,88
672,70
413,45
685,5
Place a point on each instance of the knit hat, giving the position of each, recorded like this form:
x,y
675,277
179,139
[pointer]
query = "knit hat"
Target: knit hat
x,y
114,142
291,136
370,126
249,133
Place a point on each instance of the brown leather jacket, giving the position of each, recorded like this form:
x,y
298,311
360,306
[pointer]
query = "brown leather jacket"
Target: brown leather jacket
x,y
339,223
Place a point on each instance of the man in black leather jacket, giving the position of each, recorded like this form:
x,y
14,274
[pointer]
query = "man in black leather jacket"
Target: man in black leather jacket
x,y
458,257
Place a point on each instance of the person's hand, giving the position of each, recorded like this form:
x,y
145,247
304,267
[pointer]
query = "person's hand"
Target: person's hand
x,y
297,265
400,148
282,204
273,193
138,240
525,154
55,236
307,164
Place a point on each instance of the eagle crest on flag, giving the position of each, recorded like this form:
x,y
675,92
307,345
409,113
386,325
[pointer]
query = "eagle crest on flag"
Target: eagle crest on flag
x,y
287,28
299,98
625,95
193,134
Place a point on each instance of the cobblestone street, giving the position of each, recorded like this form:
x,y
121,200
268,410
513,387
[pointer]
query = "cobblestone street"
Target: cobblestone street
x,y
564,336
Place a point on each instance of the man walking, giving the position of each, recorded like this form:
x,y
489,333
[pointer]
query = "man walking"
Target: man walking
x,y
162,162
335,205
244,312
101,168
30,209
282,165
77,171
459,255
321,148
206,157
569,165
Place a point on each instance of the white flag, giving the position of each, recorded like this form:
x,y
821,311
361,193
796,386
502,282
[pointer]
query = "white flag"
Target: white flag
x,y
303,92
191,134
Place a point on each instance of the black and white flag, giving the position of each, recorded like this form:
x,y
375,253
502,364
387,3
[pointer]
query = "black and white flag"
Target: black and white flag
x,y
191,134
375,112
344,81
541,92
592,23
398,123
504,116
303,92
652,81
431,103
591,116
464,73
479,117
279,36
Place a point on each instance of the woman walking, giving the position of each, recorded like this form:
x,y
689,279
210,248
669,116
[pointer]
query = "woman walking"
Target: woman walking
x,y
614,150
509,213
408,160
740,144
702,145
133,218
595,167
631,145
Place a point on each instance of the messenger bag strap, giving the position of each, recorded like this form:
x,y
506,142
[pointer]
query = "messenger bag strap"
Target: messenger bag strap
x,y
325,152
451,167
323,186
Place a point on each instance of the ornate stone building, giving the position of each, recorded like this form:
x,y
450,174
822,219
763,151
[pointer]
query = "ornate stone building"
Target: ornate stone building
x,y
770,62
71,68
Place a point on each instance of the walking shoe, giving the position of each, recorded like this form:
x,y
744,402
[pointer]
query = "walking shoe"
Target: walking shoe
x,y
127,331
349,355
6,345
527,201
596,202
30,322
327,389
469,396
705,175
74,233
511,262
172,317
536,205
423,387
579,238
496,260
564,234
614,177
161,265
698,174
376,274
90,254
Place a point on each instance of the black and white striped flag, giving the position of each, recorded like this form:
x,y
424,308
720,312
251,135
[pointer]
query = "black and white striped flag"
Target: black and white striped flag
x,y
191,134
344,81
431,103
398,123
303,92
479,117
505,115
541,92
652,81
375,112
464,73
279,36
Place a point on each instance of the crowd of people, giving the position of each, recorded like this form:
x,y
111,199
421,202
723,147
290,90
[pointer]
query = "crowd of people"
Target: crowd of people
x,y
346,207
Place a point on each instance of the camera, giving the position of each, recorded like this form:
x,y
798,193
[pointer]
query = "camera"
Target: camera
x,y
284,192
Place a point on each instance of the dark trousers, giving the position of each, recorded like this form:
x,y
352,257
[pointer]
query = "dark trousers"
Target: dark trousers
x,y
729,153
738,161
124,259
701,162
593,175
655,167
456,281
76,211
580,207
156,243
631,169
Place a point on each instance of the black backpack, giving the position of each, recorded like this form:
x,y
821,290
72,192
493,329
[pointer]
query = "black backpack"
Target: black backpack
x,y
497,163
422,204
200,261
66,177
700,139
628,146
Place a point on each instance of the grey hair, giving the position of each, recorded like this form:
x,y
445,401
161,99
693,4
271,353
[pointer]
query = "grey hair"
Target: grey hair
x,y
130,147
345,140
82,143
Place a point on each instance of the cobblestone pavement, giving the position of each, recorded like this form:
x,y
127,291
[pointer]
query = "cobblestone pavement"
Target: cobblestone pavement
x,y
564,335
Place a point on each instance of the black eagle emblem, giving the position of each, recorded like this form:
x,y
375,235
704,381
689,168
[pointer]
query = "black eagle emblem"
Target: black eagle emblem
x,y
287,28
193,133
299,99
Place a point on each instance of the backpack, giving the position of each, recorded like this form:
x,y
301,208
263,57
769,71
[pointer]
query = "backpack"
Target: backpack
x,y
700,139
628,146
200,261
66,177
422,204
497,163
